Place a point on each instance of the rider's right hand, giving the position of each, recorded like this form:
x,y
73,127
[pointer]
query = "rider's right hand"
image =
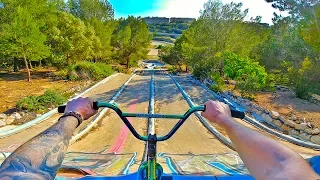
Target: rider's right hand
x,y
83,106
217,112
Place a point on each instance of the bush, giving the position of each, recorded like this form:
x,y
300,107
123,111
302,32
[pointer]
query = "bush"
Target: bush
x,y
219,82
271,82
305,80
118,69
173,70
29,103
280,76
86,70
303,90
62,73
50,98
236,67
94,71
249,74
248,95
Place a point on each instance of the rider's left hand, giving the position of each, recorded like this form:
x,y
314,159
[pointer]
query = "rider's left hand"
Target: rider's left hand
x,y
83,106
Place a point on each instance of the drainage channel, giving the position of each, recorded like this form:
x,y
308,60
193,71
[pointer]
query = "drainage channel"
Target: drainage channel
x,y
151,121
258,124
212,130
101,114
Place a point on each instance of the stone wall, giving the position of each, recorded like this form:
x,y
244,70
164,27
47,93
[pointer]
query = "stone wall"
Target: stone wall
x,y
296,128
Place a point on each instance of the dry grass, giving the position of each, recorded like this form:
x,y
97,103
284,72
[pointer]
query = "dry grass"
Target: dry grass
x,y
14,86
287,104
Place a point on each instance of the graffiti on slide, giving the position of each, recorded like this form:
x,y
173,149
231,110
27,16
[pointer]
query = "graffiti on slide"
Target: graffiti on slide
x,y
207,164
94,163
100,164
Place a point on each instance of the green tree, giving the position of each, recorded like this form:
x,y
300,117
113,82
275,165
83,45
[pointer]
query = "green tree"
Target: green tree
x,y
212,33
246,36
310,27
89,9
173,55
221,19
283,44
23,38
103,31
71,40
131,40
39,10
295,7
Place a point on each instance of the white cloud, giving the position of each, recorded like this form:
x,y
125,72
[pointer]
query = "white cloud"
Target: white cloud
x,y
191,8
257,8
181,8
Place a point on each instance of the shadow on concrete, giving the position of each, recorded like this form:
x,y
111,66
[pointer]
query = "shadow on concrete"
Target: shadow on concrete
x,y
138,91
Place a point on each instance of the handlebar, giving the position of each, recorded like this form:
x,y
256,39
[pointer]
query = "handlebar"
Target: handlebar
x,y
124,116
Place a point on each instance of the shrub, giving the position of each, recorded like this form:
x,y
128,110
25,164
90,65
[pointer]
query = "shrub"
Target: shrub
x,y
305,80
29,103
219,84
249,74
173,69
118,69
50,98
303,89
248,95
271,82
86,70
95,71
62,73
235,67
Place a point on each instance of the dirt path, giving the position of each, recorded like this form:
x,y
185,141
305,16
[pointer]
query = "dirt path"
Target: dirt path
x,y
192,138
10,143
200,96
111,136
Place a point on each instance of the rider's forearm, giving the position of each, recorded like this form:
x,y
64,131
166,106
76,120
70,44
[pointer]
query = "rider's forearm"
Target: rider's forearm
x,y
264,157
40,157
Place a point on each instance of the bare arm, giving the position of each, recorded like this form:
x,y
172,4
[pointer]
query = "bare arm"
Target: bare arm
x,y
264,157
41,157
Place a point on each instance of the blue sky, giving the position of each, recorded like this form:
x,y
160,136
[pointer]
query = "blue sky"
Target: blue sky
x,y
184,8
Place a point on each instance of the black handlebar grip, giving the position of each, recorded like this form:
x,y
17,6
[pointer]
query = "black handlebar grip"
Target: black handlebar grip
x,y
234,113
237,114
61,109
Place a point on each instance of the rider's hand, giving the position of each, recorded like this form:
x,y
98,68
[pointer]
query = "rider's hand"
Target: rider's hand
x,y
83,106
217,112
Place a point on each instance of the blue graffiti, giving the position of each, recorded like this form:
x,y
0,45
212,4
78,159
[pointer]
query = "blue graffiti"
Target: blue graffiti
x,y
225,168
131,162
169,163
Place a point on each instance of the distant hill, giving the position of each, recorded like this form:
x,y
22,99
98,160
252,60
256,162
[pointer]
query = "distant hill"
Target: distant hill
x,y
168,29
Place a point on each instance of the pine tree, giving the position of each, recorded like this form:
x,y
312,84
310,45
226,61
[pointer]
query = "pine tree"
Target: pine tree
x,y
23,38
